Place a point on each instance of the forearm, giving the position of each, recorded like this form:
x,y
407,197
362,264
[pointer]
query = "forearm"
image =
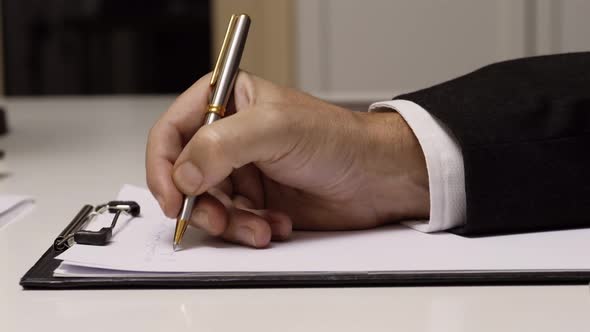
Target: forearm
x,y
523,127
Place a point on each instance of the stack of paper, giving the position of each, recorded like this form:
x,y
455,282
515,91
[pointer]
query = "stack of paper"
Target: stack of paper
x,y
143,246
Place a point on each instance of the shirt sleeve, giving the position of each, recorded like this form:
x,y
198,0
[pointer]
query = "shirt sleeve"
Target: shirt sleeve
x,y
444,163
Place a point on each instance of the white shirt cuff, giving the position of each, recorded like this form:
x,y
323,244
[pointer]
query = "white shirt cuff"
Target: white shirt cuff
x,y
444,162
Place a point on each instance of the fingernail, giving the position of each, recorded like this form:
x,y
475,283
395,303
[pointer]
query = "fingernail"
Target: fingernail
x,y
246,234
162,203
188,177
201,219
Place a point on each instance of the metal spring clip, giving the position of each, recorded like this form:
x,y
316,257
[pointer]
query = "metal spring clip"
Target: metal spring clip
x,y
75,234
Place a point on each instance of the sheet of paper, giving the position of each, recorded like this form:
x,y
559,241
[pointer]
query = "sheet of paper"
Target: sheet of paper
x,y
13,207
145,245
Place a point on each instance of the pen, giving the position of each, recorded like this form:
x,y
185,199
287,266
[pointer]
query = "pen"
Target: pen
x,y
222,80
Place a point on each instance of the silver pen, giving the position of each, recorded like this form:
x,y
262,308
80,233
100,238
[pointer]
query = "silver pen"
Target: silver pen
x,y
222,80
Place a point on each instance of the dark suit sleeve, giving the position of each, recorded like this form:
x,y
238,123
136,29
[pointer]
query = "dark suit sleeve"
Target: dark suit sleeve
x,y
524,130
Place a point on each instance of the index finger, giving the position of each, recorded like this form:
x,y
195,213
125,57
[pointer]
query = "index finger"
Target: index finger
x,y
166,139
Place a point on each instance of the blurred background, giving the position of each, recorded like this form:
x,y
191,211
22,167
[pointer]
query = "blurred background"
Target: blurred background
x,y
340,50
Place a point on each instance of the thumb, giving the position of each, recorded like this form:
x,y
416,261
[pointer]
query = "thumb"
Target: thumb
x,y
256,134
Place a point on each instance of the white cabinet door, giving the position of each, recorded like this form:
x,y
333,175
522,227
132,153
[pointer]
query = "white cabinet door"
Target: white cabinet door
x,y
561,26
350,50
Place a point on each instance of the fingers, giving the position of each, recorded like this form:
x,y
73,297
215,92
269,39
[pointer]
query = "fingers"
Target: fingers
x,y
256,228
239,223
210,215
280,224
247,182
210,211
254,135
187,112
248,229
166,139
177,158
160,184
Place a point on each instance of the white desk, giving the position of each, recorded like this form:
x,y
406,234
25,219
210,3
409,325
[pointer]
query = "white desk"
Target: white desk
x,y
66,152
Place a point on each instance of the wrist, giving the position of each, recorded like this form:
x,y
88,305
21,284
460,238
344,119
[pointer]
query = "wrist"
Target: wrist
x,y
397,167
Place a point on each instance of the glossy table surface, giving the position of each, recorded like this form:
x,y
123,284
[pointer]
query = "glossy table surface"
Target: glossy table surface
x,y
69,151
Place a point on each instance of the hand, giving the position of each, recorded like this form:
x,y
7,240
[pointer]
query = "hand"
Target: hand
x,y
281,160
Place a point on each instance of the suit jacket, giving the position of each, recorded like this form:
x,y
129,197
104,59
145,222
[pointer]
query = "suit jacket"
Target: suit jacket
x,y
524,130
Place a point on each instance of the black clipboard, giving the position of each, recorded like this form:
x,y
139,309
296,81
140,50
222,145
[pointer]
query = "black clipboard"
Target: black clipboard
x,y
40,276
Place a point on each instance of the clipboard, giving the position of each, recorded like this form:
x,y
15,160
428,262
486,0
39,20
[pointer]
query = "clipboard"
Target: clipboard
x,y
40,276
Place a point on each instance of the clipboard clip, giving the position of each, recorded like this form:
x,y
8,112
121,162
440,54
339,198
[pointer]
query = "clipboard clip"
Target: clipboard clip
x,y
74,233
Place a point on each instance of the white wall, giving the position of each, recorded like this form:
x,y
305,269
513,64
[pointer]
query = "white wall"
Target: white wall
x,y
562,25
354,50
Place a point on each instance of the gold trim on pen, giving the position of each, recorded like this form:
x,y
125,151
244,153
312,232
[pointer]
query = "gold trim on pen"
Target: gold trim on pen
x,y
223,51
218,109
181,226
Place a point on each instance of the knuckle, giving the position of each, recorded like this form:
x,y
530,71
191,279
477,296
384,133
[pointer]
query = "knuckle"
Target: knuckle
x,y
209,141
244,77
272,115
217,229
153,131
150,184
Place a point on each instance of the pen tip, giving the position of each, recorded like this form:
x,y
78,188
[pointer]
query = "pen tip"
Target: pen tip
x,y
174,247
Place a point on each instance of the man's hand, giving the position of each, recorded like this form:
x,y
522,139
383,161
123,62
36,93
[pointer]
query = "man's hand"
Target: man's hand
x,y
282,160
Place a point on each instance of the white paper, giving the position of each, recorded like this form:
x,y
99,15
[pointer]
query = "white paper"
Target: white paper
x,y
13,207
145,245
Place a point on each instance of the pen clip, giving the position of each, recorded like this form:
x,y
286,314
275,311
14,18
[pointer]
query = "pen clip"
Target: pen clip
x,y
223,51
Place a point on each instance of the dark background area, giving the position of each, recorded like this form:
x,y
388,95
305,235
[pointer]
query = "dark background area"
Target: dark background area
x,y
104,46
